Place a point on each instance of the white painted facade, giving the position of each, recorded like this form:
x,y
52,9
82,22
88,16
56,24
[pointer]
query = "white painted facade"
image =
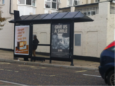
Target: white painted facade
x,y
95,36
26,10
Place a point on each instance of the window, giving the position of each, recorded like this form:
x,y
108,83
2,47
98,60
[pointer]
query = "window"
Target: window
x,y
3,1
27,2
70,2
77,39
88,11
21,1
113,1
51,4
76,2
97,1
47,5
93,13
85,13
54,4
112,10
33,2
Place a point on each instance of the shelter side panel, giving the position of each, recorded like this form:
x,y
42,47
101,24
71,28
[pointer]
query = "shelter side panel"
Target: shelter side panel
x,y
60,40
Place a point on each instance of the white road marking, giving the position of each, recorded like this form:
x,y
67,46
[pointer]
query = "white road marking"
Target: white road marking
x,y
13,83
81,71
43,67
8,70
91,75
52,75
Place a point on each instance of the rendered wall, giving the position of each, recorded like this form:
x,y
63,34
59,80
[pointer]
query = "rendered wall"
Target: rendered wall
x,y
111,29
7,35
7,31
94,34
63,3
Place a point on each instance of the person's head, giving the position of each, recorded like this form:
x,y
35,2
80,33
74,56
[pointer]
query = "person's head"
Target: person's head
x,y
35,37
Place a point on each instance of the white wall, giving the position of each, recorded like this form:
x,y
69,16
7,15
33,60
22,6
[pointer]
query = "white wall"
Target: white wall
x,y
26,10
7,36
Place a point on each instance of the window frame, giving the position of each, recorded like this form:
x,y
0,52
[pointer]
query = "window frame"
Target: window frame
x,y
51,4
78,2
68,2
30,2
25,3
3,2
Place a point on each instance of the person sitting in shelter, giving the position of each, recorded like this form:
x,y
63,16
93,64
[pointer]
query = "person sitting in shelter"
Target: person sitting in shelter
x,y
35,43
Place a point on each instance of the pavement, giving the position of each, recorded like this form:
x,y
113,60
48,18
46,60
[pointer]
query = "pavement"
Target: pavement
x,y
7,56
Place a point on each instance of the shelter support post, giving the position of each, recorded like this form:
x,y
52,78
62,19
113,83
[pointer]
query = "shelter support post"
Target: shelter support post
x,y
71,42
31,39
71,62
14,42
50,61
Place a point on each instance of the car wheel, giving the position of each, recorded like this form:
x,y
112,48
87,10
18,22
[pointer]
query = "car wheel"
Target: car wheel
x,y
111,78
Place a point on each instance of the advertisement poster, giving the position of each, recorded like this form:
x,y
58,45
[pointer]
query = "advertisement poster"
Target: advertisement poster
x,y
22,40
60,40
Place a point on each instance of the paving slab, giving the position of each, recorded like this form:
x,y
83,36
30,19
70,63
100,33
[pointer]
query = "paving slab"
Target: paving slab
x,y
7,56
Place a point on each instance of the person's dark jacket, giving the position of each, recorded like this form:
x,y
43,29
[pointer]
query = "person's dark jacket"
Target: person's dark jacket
x,y
35,43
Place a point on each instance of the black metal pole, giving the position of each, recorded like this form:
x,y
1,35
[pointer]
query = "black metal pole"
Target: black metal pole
x,y
72,39
14,42
10,8
31,39
50,41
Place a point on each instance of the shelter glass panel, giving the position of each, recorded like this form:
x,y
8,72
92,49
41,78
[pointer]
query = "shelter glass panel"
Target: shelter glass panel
x,y
60,15
41,16
50,16
79,15
31,17
24,17
70,15
42,32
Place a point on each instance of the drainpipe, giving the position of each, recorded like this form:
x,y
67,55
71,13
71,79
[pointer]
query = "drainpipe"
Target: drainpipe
x,y
10,8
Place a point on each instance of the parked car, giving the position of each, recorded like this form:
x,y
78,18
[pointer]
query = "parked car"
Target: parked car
x,y
107,64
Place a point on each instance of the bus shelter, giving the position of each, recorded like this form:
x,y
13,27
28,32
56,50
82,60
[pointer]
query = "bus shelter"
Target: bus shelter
x,y
61,34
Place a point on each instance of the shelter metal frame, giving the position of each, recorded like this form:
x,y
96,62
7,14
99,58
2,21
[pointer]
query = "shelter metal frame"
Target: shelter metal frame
x,y
64,17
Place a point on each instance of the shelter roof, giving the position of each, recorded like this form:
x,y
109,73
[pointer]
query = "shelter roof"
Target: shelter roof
x,y
48,18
